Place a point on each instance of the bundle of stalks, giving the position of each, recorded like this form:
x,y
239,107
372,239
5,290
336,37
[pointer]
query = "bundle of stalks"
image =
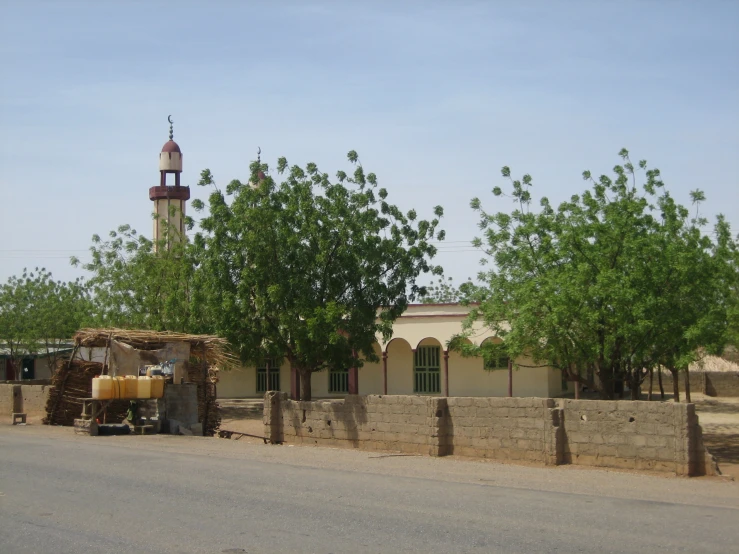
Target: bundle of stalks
x,y
71,383
214,349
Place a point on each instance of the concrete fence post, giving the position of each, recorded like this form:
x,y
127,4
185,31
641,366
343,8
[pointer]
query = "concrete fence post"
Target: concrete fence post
x,y
272,416
554,432
17,399
438,428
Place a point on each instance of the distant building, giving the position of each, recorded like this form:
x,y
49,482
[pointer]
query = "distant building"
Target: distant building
x,y
32,365
415,361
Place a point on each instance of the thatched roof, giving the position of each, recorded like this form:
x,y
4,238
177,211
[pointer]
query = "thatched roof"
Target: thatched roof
x,y
215,348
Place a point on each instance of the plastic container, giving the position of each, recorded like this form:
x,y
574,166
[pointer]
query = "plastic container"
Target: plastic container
x,y
153,370
102,387
119,387
132,386
144,387
157,386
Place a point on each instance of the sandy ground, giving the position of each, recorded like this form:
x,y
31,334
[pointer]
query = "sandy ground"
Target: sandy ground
x,y
719,418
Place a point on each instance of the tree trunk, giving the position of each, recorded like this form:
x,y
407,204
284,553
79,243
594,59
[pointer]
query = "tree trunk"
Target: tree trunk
x,y
635,383
651,383
661,386
675,385
687,385
305,390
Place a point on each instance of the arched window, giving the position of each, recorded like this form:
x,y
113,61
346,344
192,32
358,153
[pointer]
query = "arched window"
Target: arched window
x,y
427,370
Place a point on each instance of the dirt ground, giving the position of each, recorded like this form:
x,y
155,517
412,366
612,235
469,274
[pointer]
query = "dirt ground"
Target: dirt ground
x,y
719,418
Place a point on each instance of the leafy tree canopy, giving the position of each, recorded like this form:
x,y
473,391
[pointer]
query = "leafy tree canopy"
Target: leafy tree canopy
x,y
617,279
138,284
310,268
39,314
443,291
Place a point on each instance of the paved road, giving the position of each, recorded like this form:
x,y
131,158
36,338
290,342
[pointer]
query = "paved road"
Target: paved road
x,y
61,493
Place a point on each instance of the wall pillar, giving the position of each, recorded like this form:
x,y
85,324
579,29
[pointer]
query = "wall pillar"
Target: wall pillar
x,y
384,373
272,417
446,372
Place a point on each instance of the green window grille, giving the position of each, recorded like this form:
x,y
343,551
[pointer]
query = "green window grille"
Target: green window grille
x,y
338,381
426,370
274,376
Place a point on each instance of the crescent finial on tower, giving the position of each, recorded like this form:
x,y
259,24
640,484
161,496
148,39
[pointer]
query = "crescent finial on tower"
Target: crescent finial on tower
x,y
171,129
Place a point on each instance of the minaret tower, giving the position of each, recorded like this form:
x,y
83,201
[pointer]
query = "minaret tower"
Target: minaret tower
x,y
169,201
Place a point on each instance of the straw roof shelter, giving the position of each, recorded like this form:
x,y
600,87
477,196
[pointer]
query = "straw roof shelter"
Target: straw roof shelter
x,y
209,348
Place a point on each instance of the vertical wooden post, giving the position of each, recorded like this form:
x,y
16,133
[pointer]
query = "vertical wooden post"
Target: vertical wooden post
x,y
446,372
510,377
384,373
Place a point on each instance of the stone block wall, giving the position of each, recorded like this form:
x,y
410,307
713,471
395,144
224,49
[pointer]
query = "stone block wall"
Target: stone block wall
x,y
28,399
400,423
633,435
505,428
721,383
181,403
710,383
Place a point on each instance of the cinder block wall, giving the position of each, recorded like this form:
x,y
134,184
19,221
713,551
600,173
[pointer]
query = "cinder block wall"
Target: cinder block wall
x,y
29,399
504,428
721,383
635,435
401,423
6,400
711,383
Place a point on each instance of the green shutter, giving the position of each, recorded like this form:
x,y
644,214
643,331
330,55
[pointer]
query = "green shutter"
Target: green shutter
x,y
427,370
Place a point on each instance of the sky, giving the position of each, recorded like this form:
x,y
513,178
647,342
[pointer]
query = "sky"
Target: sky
x,y
435,96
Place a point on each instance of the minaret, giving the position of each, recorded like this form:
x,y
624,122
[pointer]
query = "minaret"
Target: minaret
x,y
169,201
260,173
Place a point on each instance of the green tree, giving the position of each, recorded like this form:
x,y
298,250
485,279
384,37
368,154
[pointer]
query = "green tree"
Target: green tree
x,y
136,283
308,269
40,315
613,281
443,291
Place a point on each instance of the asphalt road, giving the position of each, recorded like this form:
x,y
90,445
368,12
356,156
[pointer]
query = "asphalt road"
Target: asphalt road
x,y
61,493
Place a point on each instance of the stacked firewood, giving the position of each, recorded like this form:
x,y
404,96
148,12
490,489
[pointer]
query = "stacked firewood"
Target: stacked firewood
x,y
71,383
208,410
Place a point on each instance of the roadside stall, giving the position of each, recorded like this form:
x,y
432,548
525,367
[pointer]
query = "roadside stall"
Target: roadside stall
x,y
148,381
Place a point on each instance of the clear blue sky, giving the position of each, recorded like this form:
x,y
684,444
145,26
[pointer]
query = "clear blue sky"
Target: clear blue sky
x,y
435,96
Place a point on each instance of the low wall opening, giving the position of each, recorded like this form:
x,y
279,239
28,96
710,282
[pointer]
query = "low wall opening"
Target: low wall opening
x,y
621,434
